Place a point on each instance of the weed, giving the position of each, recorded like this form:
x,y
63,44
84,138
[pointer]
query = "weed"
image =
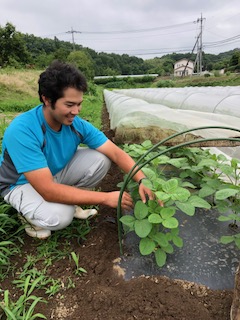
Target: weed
x,y
79,270
54,287
50,285
70,283
9,237
23,308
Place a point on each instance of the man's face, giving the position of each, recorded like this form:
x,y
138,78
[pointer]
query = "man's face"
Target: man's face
x,y
65,109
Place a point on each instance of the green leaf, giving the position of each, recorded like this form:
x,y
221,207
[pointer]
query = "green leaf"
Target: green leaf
x,y
170,186
140,210
230,217
207,163
142,228
170,223
162,196
213,183
226,239
184,174
177,162
162,160
128,220
6,243
237,242
160,238
186,207
169,236
147,144
225,193
206,191
180,194
147,183
187,184
199,202
10,314
160,257
160,182
226,169
150,174
221,157
222,206
153,204
167,212
235,163
146,246
37,316
177,241
32,307
224,218
155,218
168,248
175,232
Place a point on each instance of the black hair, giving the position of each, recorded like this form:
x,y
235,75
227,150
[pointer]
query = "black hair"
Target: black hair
x,y
58,77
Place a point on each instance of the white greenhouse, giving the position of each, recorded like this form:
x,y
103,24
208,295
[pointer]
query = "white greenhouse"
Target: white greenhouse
x,y
156,113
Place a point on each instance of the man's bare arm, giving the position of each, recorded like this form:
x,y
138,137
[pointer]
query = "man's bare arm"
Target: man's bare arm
x,y
42,181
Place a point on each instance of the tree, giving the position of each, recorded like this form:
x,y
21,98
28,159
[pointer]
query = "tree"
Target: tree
x,y
61,54
43,60
83,61
13,48
235,59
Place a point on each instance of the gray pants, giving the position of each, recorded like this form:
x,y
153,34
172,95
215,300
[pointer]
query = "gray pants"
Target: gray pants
x,y
86,170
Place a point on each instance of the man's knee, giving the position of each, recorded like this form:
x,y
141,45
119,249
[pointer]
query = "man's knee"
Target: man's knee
x,y
105,163
97,171
57,217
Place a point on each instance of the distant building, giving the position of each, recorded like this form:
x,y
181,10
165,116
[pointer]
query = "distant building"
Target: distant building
x,y
183,66
222,71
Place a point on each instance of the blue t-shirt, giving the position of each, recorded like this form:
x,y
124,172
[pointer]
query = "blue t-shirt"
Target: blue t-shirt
x,y
29,144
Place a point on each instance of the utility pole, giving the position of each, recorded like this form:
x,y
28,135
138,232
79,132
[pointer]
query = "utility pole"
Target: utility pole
x,y
198,44
198,60
73,41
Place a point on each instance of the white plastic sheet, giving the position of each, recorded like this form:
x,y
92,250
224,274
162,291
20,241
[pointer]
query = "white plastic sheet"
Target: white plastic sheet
x,y
161,112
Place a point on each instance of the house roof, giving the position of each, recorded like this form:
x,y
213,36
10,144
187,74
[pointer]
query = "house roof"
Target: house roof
x,y
184,59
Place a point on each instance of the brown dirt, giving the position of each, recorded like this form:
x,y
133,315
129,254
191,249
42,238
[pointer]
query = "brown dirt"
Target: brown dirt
x,y
102,293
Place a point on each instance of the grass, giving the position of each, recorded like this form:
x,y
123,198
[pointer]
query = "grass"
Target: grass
x,y
18,90
19,93
92,108
221,80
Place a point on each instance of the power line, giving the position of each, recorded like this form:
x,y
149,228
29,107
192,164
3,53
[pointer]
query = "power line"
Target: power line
x,y
134,37
155,50
200,45
160,52
222,41
126,31
134,31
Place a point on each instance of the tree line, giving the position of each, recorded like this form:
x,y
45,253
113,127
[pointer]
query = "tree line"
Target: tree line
x,y
20,50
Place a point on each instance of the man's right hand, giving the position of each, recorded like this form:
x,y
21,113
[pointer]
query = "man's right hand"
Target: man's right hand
x,y
112,200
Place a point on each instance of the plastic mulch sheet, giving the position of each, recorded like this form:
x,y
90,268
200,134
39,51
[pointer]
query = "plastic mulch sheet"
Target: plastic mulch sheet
x,y
203,259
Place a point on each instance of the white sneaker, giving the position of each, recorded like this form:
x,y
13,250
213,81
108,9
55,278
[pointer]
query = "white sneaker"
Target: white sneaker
x,y
34,231
84,214
37,232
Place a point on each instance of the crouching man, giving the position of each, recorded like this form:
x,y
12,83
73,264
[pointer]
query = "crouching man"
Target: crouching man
x,y
44,174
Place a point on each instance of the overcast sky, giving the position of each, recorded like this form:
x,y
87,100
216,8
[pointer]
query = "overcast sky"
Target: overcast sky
x,y
143,28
